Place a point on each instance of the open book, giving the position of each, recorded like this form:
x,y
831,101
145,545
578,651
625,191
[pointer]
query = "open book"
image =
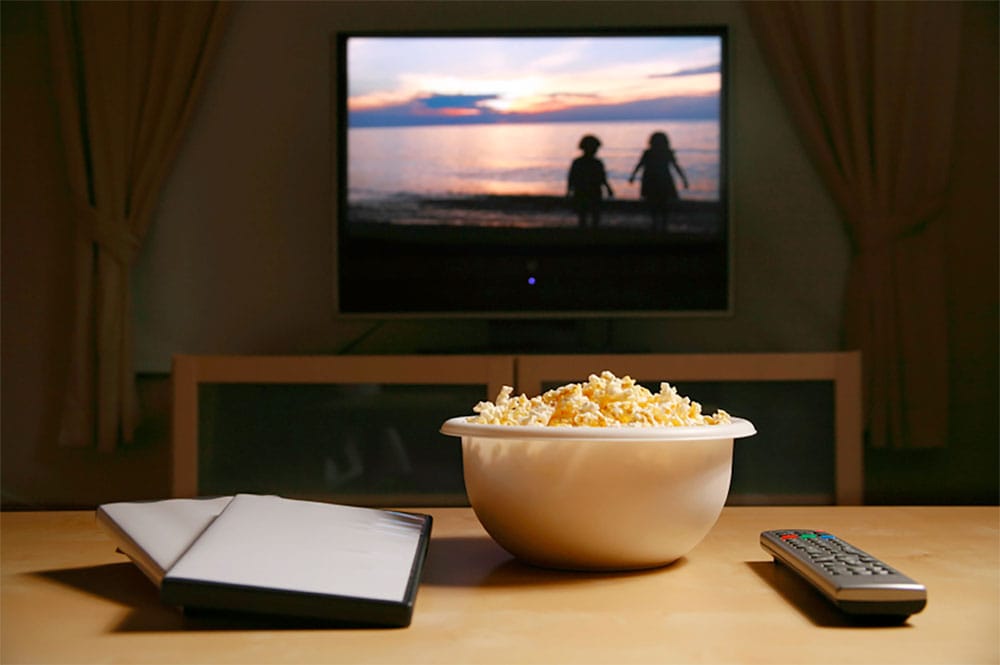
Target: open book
x,y
277,556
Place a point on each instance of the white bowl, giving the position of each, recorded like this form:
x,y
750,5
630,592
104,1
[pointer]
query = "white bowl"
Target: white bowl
x,y
597,498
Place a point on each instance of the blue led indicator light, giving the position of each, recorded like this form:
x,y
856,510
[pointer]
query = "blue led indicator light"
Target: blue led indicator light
x,y
531,280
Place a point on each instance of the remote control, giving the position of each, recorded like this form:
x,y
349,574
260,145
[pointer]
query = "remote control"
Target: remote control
x,y
853,580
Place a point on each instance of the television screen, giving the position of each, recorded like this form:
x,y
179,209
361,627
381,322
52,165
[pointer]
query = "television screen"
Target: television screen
x,y
537,175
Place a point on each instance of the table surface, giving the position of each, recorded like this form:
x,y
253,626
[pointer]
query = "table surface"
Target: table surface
x,y
68,597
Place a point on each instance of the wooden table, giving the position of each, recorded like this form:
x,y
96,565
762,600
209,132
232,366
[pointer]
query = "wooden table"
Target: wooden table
x,y
67,597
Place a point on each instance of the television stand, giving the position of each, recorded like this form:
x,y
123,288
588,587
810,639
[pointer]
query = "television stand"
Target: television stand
x,y
530,373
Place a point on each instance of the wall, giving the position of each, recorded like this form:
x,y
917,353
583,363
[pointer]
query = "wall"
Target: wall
x,y
238,256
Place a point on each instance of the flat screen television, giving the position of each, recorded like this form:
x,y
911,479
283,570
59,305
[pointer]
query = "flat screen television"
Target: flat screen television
x,y
468,184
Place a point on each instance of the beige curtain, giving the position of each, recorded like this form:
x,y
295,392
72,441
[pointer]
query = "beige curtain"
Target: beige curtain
x,y
871,87
127,76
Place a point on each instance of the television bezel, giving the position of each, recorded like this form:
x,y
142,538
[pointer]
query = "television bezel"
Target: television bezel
x,y
340,171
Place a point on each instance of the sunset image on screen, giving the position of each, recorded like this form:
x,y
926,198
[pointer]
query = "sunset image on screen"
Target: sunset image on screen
x,y
491,125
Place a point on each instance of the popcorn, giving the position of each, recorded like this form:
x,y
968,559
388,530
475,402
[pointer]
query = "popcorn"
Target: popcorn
x,y
603,401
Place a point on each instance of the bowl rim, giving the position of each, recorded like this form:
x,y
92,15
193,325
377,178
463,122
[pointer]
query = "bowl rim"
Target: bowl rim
x,y
460,426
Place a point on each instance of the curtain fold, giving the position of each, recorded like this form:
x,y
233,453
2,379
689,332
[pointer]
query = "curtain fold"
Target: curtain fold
x,y
871,87
127,78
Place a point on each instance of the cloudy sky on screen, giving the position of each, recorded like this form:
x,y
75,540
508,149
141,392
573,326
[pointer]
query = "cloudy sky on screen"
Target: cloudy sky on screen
x,y
397,81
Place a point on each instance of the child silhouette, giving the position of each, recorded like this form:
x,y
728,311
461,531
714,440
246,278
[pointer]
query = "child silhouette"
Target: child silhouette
x,y
658,187
586,180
